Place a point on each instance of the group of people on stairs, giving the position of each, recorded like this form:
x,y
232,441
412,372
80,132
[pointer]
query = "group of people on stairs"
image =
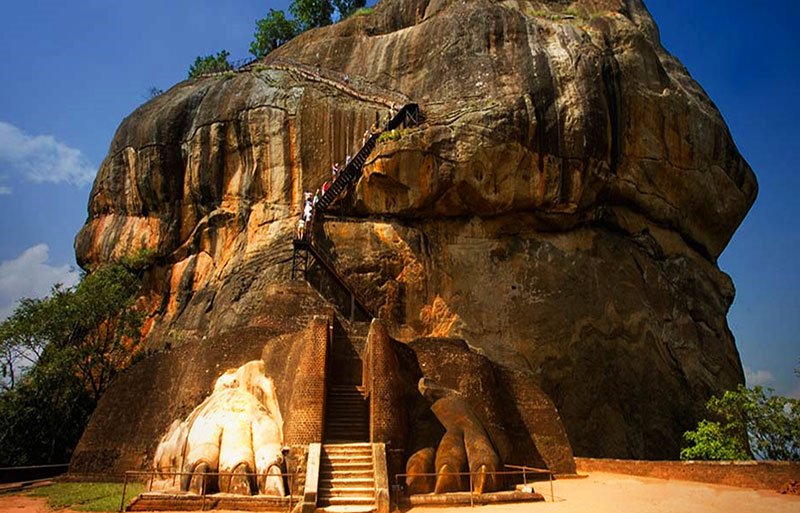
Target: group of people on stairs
x,y
310,200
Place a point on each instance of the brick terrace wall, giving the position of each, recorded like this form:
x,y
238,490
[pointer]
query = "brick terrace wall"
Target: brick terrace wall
x,y
382,377
307,411
767,475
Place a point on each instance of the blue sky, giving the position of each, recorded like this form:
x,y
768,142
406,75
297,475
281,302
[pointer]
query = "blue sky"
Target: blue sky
x,y
73,70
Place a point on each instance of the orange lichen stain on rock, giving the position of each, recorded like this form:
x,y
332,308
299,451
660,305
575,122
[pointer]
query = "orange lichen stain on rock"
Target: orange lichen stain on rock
x,y
438,319
203,268
132,200
413,272
175,285
297,184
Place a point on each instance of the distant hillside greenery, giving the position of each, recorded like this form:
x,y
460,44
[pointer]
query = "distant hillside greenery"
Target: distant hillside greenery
x,y
277,28
747,422
57,357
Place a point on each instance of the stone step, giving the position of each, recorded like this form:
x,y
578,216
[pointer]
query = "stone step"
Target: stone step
x,y
345,482
346,412
348,422
332,491
339,390
347,509
334,460
342,501
332,475
347,453
346,465
346,447
346,436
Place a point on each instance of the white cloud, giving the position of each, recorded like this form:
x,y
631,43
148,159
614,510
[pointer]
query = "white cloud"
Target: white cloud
x,y
30,275
41,158
759,377
4,190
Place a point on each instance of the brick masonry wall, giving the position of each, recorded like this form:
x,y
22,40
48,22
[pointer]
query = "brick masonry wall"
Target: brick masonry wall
x,y
765,475
387,411
305,422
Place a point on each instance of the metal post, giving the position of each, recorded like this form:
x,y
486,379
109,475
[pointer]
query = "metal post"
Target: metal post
x,y
124,486
203,492
352,307
291,490
551,488
471,502
150,485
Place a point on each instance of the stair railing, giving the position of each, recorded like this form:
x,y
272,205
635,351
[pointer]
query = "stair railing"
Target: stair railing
x,y
408,115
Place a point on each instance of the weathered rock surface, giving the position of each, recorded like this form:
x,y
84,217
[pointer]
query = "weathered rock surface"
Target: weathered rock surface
x,y
561,208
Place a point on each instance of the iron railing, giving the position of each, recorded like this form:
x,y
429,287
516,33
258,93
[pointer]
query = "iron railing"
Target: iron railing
x,y
518,470
151,475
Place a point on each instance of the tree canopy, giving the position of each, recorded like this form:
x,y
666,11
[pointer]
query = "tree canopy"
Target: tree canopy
x,y
210,64
59,355
747,421
271,32
276,28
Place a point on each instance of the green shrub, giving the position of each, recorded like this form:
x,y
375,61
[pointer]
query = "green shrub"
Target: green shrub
x,y
747,421
391,135
363,11
204,65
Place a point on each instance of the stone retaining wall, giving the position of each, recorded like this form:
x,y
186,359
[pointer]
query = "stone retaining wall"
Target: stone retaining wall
x,y
769,475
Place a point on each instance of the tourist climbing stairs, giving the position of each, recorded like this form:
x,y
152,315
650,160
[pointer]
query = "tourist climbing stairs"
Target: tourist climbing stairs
x,y
408,115
347,478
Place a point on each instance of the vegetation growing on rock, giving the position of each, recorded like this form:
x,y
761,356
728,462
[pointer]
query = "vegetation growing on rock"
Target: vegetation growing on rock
x,y
204,65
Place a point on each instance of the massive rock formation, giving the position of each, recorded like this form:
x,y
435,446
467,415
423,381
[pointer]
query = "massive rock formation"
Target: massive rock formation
x,y
561,208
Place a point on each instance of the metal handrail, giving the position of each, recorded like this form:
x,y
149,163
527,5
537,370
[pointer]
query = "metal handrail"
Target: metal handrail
x,y
523,471
152,473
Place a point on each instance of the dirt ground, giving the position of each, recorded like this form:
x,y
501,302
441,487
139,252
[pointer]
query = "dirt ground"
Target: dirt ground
x,y
598,493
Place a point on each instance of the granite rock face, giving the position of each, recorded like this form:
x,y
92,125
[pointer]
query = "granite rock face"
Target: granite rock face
x,y
561,207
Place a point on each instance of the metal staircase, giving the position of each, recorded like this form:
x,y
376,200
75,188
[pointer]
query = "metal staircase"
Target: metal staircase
x,y
407,116
304,249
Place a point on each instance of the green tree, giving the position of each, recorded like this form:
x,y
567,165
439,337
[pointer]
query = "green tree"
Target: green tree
x,y
210,64
748,420
713,441
312,13
348,7
271,32
59,355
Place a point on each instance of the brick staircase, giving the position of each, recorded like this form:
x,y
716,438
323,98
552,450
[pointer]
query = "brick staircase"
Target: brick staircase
x,y
346,409
347,475
347,478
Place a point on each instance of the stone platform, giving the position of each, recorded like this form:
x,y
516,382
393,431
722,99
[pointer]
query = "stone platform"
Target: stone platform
x,y
159,501
463,498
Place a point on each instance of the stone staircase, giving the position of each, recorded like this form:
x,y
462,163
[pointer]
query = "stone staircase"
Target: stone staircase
x,y
347,478
346,409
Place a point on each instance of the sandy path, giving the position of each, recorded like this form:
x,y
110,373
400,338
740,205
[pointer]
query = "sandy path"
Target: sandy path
x,y
598,493
616,493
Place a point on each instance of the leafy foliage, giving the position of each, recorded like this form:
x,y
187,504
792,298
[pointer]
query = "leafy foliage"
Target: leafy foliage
x,y
210,64
312,13
276,28
59,355
755,419
711,441
362,11
271,32
348,7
